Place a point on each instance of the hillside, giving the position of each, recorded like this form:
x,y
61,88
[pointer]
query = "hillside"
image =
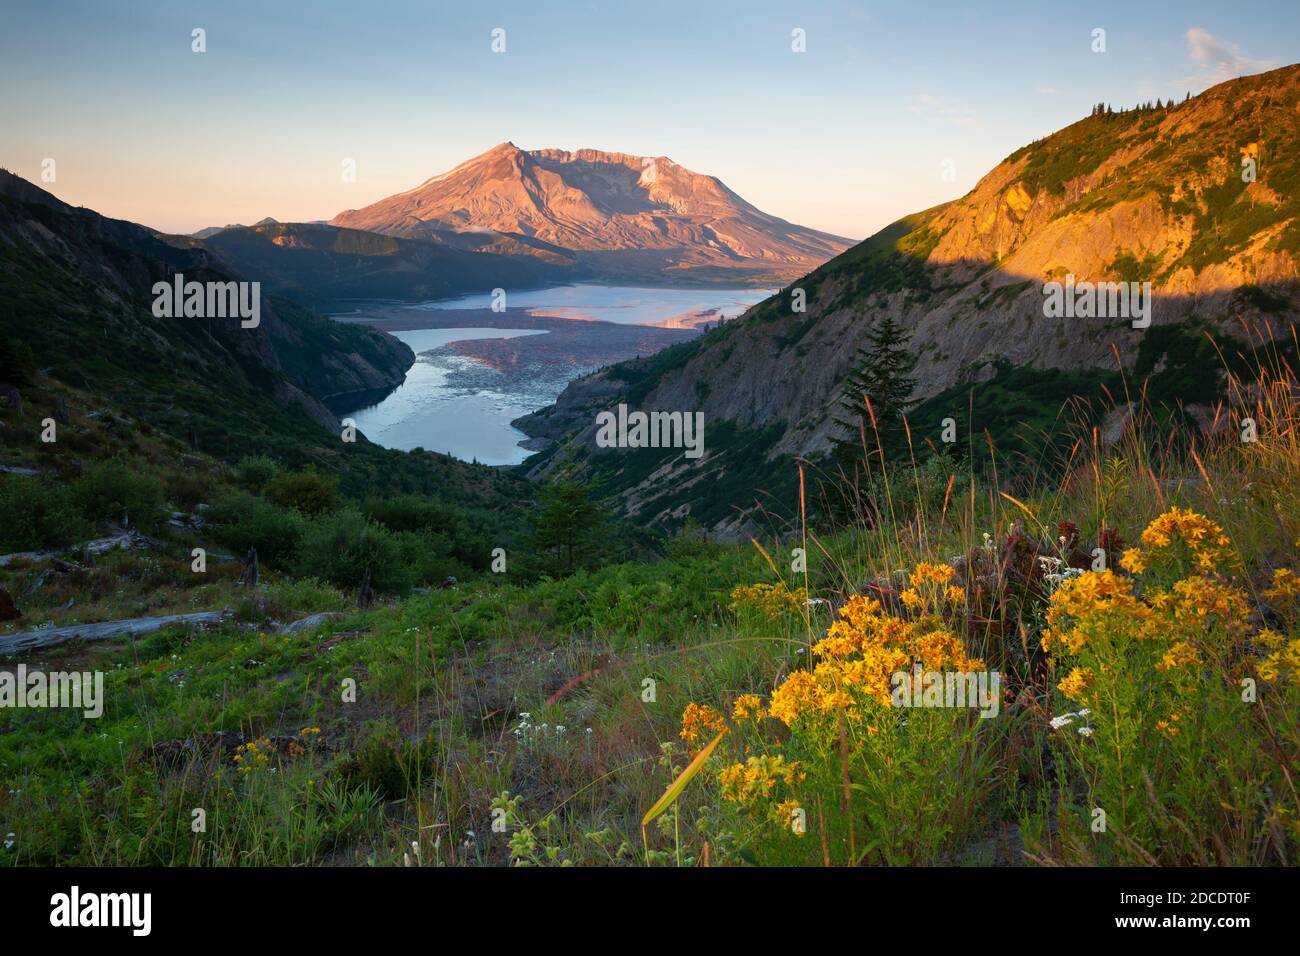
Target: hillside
x,y
76,293
1148,194
316,263
565,706
623,216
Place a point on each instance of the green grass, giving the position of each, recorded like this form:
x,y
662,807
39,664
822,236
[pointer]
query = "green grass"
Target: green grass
x,y
460,695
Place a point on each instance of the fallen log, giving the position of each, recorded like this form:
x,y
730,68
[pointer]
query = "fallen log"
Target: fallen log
x,y
123,539
104,630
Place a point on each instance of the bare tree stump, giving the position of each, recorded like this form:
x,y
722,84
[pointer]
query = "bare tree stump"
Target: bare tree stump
x,y
13,398
8,610
61,413
249,576
366,596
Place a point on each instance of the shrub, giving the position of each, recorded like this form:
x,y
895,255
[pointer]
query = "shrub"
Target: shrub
x,y
37,514
340,547
187,489
429,557
413,513
451,532
17,365
110,490
305,594
242,521
254,472
306,491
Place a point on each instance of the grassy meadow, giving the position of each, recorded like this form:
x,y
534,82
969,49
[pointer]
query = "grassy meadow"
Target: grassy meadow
x,y
716,705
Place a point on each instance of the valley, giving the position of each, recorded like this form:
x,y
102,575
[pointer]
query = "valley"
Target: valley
x,y
477,370
556,505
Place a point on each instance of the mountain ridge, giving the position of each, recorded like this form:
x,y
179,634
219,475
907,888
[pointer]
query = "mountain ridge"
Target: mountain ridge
x,y
624,216
321,264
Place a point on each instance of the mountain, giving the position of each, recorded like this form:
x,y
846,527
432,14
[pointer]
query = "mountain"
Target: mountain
x,y
1149,194
213,230
624,217
321,264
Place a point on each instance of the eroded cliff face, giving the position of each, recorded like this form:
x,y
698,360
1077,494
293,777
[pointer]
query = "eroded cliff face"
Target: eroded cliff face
x,y
1151,195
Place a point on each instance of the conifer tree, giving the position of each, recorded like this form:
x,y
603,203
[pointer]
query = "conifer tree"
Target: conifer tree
x,y
569,526
883,376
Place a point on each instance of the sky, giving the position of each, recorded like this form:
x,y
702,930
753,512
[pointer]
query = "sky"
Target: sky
x,y
892,107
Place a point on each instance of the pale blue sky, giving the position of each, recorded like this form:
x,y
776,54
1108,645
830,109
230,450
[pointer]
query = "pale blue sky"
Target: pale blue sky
x,y
845,137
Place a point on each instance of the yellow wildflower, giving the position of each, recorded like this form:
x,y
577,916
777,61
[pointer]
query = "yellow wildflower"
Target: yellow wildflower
x,y
772,600
797,694
862,650
929,588
757,778
1286,586
699,721
1180,654
747,706
1133,560
1205,540
784,815
1076,683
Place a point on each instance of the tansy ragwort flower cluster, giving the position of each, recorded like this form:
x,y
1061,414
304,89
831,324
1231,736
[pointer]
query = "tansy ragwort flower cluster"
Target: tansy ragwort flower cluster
x,y
850,679
862,650
760,781
865,647
770,600
700,724
1176,529
1196,620
1282,656
256,754
253,755
930,589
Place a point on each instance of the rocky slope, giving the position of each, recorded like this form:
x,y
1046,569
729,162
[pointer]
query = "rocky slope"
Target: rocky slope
x,y
1150,194
623,216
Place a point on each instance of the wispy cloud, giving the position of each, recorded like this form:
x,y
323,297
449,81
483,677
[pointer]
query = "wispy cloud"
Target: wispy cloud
x,y
923,104
1047,90
1219,60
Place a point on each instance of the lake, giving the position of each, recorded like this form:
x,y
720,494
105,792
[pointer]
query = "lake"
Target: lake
x,y
628,305
457,404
